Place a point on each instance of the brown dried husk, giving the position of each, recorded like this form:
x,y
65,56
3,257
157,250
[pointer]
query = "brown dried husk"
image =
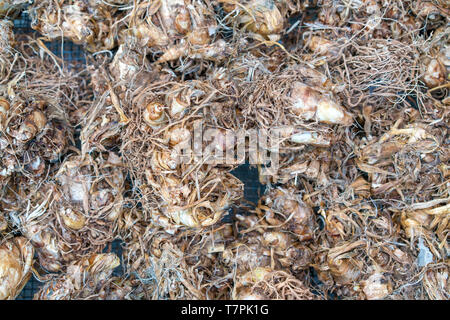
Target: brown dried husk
x,y
284,209
261,19
16,260
87,279
178,190
267,284
295,96
75,213
95,24
401,163
36,96
173,30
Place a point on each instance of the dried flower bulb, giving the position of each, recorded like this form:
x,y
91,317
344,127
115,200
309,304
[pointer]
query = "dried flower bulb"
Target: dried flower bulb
x,y
248,294
343,268
117,289
179,136
82,279
436,64
179,197
220,140
173,53
36,165
278,240
8,165
175,16
217,51
410,135
376,287
32,125
102,264
4,108
93,184
127,64
72,219
295,216
421,222
436,283
302,222
53,143
297,257
255,275
435,73
75,185
323,47
183,217
177,28
306,137
154,114
179,105
247,256
92,24
76,214
259,16
46,246
76,25
182,21
144,33
309,104
199,37
16,259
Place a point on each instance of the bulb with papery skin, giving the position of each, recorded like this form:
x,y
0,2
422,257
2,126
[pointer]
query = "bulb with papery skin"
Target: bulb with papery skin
x,y
376,287
435,73
4,108
310,104
91,24
261,17
16,259
285,208
83,278
323,47
154,114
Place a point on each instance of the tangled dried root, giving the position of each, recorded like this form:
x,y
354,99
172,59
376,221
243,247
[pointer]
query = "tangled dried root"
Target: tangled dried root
x,y
36,98
92,24
267,284
381,71
76,214
184,266
88,278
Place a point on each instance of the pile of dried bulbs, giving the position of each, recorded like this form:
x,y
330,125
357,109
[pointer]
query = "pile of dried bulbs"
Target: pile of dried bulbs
x,y
359,207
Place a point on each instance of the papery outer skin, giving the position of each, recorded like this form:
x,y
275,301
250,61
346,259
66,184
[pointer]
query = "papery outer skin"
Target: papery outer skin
x,y
16,257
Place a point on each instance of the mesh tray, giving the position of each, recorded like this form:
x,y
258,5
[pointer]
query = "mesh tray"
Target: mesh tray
x,y
71,52
66,50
